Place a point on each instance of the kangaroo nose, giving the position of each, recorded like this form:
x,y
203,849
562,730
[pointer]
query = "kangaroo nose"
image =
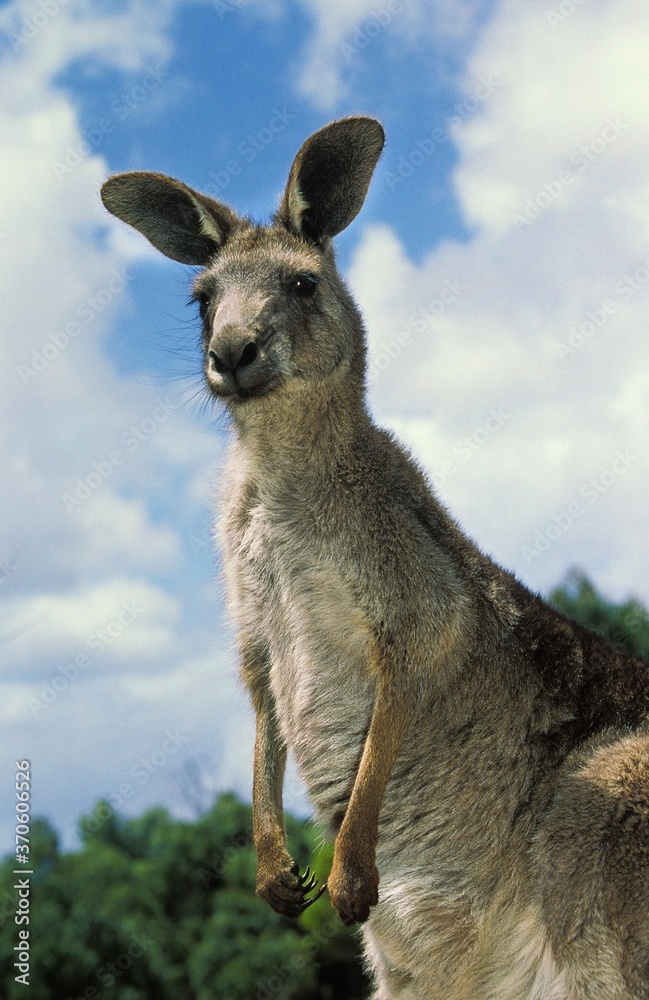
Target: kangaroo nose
x,y
231,357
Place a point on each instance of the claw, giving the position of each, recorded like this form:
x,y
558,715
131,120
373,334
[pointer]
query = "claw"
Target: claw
x,y
311,884
308,902
286,893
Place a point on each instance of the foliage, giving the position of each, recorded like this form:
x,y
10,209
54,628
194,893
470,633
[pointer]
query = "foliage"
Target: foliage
x,y
626,624
152,908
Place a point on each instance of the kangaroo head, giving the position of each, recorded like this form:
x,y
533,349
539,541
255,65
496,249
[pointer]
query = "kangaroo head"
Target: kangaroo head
x,y
275,312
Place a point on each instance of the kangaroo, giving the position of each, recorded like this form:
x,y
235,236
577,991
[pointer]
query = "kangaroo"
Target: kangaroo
x,y
481,760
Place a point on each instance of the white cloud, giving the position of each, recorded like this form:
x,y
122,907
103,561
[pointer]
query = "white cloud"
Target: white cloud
x,y
513,364
47,37
118,531
584,115
131,736
206,696
345,31
69,419
76,573
119,620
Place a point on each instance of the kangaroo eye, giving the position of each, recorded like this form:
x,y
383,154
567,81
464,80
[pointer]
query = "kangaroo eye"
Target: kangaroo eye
x,y
303,285
203,300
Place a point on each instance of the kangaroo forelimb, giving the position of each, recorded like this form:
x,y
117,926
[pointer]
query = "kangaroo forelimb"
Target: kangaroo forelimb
x,y
354,880
279,882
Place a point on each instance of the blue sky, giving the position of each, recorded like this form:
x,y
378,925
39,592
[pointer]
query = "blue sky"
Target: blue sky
x,y
502,264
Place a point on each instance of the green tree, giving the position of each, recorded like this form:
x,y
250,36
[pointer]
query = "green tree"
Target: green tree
x,y
151,908
625,623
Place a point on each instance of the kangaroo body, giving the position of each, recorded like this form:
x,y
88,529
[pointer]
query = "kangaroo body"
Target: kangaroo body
x,y
482,762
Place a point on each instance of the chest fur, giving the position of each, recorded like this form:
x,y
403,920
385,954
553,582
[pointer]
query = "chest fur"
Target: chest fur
x,y
288,586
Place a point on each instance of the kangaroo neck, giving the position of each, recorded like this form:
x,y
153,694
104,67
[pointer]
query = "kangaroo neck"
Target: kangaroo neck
x,y
303,429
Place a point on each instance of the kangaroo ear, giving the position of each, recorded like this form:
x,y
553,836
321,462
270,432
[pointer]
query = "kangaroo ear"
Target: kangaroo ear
x,y
180,222
330,177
